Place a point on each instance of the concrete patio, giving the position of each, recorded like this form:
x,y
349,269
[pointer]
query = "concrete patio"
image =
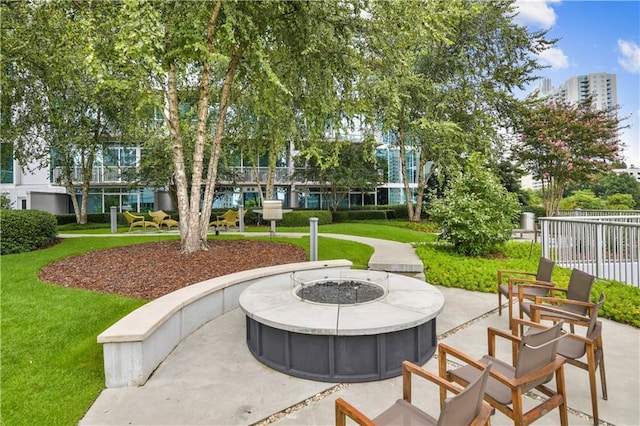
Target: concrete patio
x,y
211,378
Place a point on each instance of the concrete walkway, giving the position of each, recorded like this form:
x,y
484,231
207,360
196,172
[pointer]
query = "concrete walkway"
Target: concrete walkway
x,y
212,379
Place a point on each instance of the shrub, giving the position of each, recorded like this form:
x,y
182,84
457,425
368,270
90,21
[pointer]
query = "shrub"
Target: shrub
x,y
26,230
477,213
620,202
301,217
582,200
66,219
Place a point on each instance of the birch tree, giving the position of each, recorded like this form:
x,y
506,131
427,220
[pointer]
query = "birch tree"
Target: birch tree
x,y
222,49
442,80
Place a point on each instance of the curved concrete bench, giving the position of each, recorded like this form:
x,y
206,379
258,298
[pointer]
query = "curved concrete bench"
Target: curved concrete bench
x,y
136,345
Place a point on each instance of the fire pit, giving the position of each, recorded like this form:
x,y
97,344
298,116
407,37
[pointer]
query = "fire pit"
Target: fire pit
x,y
341,326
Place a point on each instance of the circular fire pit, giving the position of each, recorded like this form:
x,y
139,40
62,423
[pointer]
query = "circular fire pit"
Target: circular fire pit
x,y
347,289
341,325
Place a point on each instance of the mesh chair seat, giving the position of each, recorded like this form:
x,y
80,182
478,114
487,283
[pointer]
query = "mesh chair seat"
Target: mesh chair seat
x,y
406,414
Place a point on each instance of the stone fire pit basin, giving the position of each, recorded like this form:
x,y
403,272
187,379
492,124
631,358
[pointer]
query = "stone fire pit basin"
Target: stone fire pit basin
x,y
341,343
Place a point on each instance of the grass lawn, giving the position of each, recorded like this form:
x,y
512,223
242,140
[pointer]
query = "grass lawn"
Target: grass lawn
x,y
52,367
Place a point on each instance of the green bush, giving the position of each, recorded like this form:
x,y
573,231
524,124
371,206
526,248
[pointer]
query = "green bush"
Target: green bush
x,y
301,217
477,213
66,219
445,267
583,199
26,230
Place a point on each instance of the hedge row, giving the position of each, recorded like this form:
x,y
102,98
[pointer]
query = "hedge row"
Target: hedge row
x,y
298,217
26,230
301,217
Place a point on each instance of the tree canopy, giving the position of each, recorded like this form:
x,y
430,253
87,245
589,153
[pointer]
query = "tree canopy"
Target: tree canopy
x,y
562,143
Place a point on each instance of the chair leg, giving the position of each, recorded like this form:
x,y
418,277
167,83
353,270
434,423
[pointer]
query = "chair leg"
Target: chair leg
x,y
499,302
591,368
564,418
603,375
518,409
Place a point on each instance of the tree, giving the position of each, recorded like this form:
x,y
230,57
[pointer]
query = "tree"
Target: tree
x,y
442,80
222,51
345,166
620,202
476,212
5,202
583,199
561,143
614,183
63,94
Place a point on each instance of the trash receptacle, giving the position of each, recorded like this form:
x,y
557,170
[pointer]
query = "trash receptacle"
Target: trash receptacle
x,y
527,221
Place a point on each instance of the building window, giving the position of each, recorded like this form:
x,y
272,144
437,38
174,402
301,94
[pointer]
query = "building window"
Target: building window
x,y
6,162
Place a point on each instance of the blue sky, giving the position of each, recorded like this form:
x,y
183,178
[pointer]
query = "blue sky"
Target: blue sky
x,y
595,36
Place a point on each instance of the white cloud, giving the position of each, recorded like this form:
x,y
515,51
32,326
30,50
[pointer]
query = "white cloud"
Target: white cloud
x,y
535,12
554,57
630,56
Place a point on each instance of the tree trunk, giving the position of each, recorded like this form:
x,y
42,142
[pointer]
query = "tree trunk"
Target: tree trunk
x,y
422,184
403,166
271,174
216,145
188,227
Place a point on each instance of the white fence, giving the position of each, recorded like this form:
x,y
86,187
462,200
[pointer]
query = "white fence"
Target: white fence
x,y
605,246
598,213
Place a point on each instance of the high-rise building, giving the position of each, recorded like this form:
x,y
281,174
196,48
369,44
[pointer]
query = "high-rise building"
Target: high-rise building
x,y
600,86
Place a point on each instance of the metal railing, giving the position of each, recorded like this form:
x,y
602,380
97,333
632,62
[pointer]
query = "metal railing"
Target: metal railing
x,y
592,212
115,174
100,174
606,246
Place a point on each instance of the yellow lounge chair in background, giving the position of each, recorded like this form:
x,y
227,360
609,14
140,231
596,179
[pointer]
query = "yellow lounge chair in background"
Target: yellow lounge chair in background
x,y
135,220
161,218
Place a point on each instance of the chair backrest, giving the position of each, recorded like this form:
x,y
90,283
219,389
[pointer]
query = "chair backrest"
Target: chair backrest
x,y
545,269
537,349
579,288
593,321
465,406
574,348
129,216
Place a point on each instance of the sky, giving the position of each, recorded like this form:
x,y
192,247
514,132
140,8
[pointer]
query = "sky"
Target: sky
x,y
595,36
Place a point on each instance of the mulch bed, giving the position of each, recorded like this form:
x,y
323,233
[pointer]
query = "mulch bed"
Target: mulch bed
x,y
151,270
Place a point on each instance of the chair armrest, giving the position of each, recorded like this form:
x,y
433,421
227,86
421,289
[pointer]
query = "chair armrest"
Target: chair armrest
x,y
444,350
517,323
540,373
527,281
409,368
523,287
538,311
504,272
344,409
561,301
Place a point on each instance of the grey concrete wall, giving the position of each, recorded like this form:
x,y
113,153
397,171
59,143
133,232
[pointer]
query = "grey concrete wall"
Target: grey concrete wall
x,y
49,202
162,201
